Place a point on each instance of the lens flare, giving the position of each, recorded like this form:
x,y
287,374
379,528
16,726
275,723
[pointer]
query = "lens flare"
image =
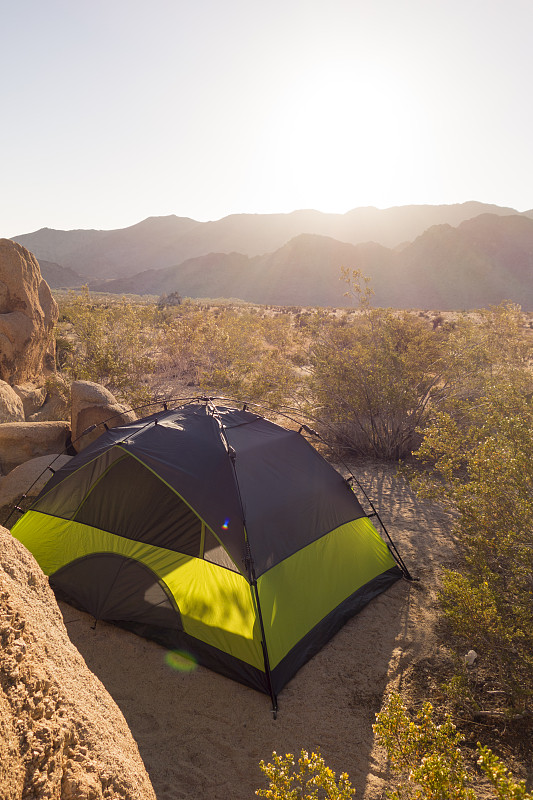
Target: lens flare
x,y
225,526
181,661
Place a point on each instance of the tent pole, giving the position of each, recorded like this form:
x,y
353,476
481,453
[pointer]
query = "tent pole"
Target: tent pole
x,y
392,547
265,652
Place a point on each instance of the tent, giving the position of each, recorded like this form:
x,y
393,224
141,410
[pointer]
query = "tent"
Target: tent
x,y
212,531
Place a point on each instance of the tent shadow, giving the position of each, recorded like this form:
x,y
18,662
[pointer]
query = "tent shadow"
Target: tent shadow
x,y
203,735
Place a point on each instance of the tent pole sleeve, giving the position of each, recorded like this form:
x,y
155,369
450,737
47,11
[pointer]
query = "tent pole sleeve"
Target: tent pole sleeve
x,y
265,652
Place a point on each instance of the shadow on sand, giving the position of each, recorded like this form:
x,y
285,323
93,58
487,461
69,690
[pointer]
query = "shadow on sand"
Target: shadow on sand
x,y
202,735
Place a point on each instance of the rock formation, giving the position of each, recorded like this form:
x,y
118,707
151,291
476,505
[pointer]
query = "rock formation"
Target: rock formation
x,y
56,401
11,405
20,441
92,404
61,735
27,316
32,397
29,478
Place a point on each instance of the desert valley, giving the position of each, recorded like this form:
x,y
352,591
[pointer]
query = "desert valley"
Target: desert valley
x,y
399,344
453,257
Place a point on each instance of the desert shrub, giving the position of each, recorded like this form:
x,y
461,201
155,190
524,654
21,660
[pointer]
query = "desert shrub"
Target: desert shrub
x,y
480,465
247,358
107,342
64,350
380,377
141,351
307,779
373,376
426,760
230,352
374,379
172,299
481,347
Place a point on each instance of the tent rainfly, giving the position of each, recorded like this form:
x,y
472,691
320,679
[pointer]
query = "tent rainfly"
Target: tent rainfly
x,y
212,531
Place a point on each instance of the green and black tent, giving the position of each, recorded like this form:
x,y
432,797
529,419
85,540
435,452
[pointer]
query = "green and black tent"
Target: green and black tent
x,y
211,530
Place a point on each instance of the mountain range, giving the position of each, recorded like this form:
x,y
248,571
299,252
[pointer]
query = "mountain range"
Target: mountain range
x,y
446,257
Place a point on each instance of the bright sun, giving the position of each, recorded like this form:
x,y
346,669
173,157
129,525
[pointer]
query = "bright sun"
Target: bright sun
x,y
335,138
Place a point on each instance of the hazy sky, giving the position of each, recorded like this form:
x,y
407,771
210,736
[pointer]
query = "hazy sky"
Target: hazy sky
x,y
116,110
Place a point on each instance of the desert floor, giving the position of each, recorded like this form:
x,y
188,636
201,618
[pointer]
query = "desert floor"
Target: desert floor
x,y
202,736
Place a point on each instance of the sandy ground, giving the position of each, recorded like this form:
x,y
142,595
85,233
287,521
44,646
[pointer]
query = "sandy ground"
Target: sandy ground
x,y
201,735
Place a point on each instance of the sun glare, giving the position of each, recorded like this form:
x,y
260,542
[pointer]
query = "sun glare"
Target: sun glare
x,y
335,136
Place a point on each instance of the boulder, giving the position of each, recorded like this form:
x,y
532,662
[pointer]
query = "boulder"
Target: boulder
x,y
29,478
56,405
92,404
55,408
62,737
11,766
20,441
11,406
28,313
32,397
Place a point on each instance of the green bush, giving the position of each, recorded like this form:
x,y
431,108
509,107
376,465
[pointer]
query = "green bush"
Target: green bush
x,y
108,342
379,377
425,758
229,352
481,467
215,349
375,379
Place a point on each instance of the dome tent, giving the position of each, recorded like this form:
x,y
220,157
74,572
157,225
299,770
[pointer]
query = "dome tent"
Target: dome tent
x,y
211,530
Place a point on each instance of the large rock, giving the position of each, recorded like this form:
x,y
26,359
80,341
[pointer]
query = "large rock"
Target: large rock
x,y
56,403
11,406
92,404
32,397
54,408
20,441
29,478
62,737
28,313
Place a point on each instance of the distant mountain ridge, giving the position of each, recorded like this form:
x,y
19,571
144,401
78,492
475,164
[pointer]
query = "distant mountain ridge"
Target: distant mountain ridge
x,y
482,262
460,256
58,277
159,242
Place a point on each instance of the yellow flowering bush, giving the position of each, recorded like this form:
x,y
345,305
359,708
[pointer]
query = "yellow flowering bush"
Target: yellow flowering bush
x,y
426,759
306,779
